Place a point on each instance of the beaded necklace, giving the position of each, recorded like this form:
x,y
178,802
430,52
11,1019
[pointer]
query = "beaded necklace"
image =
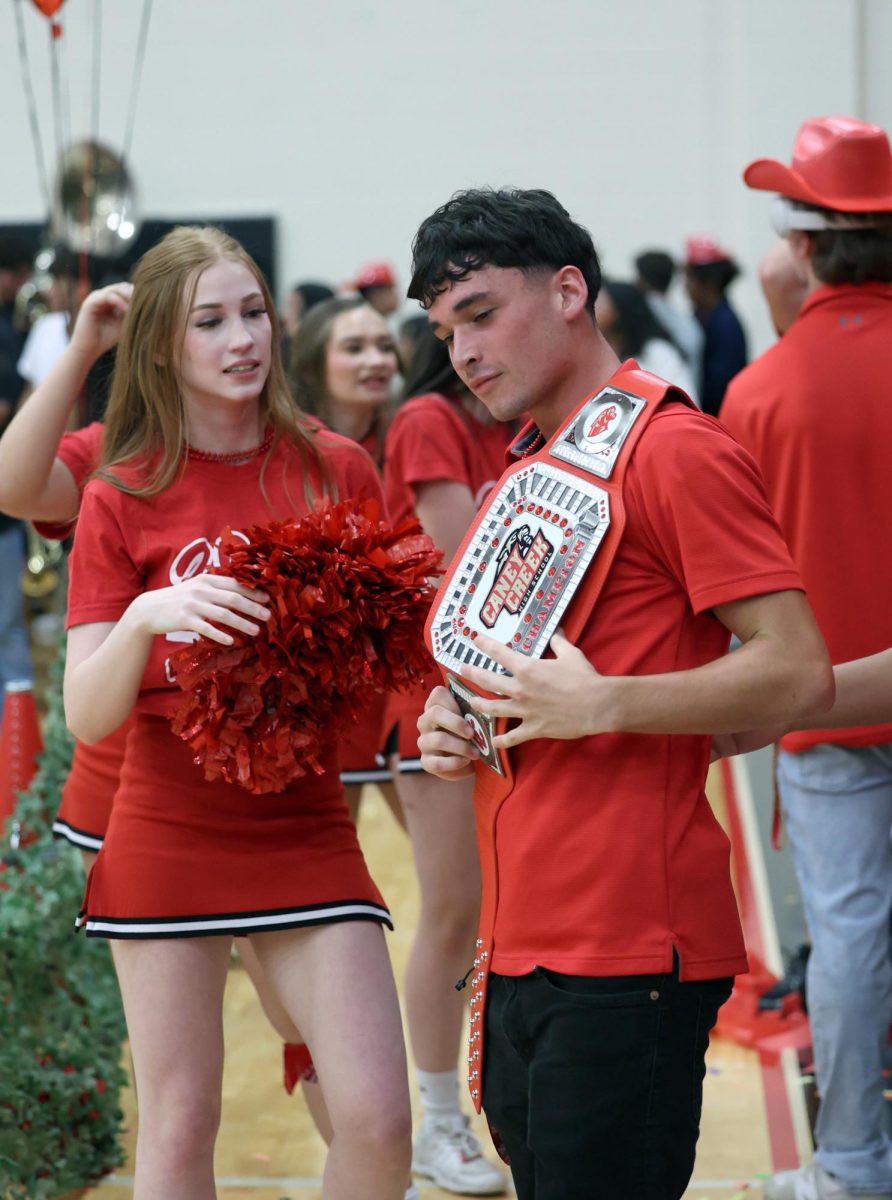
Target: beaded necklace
x,y
536,444
230,456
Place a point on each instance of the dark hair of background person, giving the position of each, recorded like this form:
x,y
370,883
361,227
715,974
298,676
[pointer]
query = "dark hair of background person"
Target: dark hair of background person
x,y
68,264
16,251
410,331
430,368
100,273
527,229
636,322
717,276
852,255
656,270
312,293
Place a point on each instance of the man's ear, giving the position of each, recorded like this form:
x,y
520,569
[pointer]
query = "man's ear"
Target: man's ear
x,y
802,245
573,292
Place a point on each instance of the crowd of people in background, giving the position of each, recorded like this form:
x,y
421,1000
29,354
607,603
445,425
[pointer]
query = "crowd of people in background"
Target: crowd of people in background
x,y
696,342
337,381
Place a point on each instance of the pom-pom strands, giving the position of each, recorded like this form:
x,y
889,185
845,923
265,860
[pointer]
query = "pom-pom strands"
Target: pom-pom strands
x,y
349,596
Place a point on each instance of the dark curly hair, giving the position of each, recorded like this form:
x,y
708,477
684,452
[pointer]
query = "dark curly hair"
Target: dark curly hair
x,y
528,229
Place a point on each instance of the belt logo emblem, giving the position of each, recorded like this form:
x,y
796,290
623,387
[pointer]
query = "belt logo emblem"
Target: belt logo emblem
x,y
594,439
602,422
518,569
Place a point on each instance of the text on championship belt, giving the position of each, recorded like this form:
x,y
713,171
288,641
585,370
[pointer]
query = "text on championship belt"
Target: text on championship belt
x,y
519,571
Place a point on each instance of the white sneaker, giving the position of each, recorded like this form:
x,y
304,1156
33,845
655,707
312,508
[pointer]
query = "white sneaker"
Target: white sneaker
x,y
812,1182
447,1152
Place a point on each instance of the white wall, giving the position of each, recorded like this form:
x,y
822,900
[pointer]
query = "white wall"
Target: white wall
x,y
350,120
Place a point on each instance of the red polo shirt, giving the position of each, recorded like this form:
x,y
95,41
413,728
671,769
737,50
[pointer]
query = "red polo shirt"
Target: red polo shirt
x,y
814,411
608,851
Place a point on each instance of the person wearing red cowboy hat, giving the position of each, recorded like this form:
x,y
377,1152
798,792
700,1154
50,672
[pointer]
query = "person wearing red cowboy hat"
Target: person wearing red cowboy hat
x,y
376,283
814,412
709,270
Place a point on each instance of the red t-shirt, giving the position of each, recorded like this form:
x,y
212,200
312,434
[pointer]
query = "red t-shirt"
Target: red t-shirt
x,y
608,852
371,442
814,412
125,545
431,439
79,450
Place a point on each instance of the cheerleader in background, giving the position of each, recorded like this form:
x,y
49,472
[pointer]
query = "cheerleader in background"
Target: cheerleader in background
x,y
343,360
442,456
201,434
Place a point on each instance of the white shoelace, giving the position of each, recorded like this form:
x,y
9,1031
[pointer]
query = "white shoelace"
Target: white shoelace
x,y
463,1139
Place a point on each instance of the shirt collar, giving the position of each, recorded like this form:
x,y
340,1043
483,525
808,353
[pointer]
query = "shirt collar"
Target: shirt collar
x,y
828,293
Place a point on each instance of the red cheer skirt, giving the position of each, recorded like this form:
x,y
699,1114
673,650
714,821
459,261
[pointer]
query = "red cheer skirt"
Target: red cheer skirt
x,y
187,858
362,750
403,710
90,789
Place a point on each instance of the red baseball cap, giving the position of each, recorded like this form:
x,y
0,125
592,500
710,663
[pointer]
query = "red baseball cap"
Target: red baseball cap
x,y
838,163
701,249
376,274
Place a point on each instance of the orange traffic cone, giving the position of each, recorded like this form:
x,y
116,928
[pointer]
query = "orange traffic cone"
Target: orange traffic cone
x,y
20,743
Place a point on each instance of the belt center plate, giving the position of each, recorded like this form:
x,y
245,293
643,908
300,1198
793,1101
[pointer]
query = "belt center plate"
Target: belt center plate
x,y
518,573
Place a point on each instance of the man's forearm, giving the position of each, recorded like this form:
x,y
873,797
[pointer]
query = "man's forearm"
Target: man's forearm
x,y
863,694
754,686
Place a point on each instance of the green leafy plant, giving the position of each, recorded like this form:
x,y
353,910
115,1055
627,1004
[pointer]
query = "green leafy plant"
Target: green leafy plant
x,y
61,1022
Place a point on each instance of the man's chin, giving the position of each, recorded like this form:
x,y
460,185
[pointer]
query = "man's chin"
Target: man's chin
x,y
502,409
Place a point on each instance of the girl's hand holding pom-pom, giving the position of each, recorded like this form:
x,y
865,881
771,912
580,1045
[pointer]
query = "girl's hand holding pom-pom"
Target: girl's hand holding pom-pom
x,y
199,605
348,596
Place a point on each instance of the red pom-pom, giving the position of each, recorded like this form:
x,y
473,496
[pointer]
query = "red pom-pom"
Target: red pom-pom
x,y
349,596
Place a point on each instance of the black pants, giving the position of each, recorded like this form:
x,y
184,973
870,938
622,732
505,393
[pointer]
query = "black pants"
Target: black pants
x,y
596,1084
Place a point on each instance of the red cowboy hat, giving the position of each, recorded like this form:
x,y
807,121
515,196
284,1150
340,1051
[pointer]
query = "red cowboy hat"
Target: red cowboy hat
x,y
376,274
838,163
702,249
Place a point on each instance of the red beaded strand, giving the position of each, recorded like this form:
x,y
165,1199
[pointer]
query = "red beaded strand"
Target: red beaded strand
x,y
230,456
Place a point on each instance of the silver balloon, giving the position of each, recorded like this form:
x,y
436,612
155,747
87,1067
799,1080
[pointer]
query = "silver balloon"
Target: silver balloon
x,y
94,201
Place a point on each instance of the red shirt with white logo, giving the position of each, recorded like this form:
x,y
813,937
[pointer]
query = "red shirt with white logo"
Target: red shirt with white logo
x,y
433,439
125,545
608,853
814,411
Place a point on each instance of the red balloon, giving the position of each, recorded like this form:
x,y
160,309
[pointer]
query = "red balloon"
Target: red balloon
x,y
48,7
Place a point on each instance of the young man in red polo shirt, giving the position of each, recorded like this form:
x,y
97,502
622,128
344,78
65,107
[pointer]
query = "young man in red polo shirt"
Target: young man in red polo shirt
x,y
610,932
814,411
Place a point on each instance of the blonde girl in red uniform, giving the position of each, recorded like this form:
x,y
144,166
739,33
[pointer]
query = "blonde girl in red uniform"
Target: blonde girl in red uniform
x,y
343,360
43,470
201,434
443,454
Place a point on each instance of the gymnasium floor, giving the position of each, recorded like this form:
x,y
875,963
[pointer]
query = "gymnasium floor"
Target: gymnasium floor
x,y
268,1149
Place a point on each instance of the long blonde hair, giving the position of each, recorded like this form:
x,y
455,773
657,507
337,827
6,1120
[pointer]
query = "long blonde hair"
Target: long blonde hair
x,y
145,422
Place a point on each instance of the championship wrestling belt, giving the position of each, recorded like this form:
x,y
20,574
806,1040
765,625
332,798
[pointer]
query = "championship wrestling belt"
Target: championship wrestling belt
x,y
536,556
